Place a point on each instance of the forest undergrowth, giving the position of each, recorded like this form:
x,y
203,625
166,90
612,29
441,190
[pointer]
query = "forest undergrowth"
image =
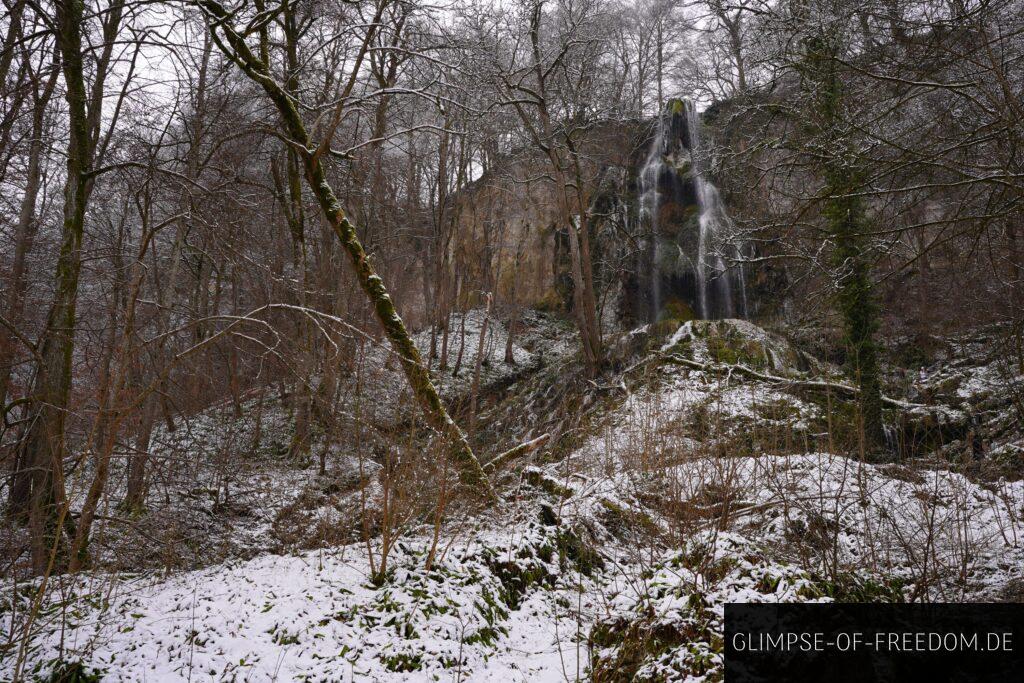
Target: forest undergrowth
x,y
678,482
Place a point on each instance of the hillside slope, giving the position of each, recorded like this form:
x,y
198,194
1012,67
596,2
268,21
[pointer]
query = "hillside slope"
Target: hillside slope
x,y
679,484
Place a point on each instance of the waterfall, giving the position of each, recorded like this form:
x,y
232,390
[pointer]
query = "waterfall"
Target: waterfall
x,y
650,199
665,182
714,276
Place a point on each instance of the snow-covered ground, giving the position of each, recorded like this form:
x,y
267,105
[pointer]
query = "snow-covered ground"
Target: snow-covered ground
x,y
619,555
509,602
224,486
317,616
387,386
943,536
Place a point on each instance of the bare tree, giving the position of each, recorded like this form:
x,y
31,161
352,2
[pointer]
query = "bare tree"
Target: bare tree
x,y
233,44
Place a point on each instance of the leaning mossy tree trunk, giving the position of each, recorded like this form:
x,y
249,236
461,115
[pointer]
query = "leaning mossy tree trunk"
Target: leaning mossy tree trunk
x,y
237,50
847,224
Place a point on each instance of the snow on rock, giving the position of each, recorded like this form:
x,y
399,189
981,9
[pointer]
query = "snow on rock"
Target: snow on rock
x,y
684,402
981,377
739,341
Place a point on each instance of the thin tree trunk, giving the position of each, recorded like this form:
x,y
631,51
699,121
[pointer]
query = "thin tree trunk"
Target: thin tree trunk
x,y
514,317
42,446
480,348
26,231
135,493
109,420
462,345
11,39
581,268
584,301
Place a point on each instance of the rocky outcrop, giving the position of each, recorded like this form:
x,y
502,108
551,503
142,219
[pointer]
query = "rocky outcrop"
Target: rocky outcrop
x,y
506,232
739,342
662,242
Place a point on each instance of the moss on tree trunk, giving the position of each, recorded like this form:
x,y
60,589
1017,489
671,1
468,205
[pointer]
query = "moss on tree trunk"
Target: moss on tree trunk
x,y
238,51
847,224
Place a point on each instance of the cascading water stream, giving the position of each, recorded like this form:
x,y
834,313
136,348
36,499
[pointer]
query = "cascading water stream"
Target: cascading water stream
x,y
649,209
716,228
715,278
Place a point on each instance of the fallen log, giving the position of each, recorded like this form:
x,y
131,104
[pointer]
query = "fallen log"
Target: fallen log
x,y
513,453
810,385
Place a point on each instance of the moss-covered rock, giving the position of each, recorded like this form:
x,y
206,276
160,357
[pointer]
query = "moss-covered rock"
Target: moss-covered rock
x,y
739,342
673,629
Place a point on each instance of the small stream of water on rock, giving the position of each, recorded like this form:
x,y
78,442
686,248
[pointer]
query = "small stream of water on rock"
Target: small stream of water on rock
x,y
716,228
721,288
650,208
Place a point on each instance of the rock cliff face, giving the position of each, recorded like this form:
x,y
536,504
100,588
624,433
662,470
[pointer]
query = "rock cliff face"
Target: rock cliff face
x,y
506,235
663,247
505,227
